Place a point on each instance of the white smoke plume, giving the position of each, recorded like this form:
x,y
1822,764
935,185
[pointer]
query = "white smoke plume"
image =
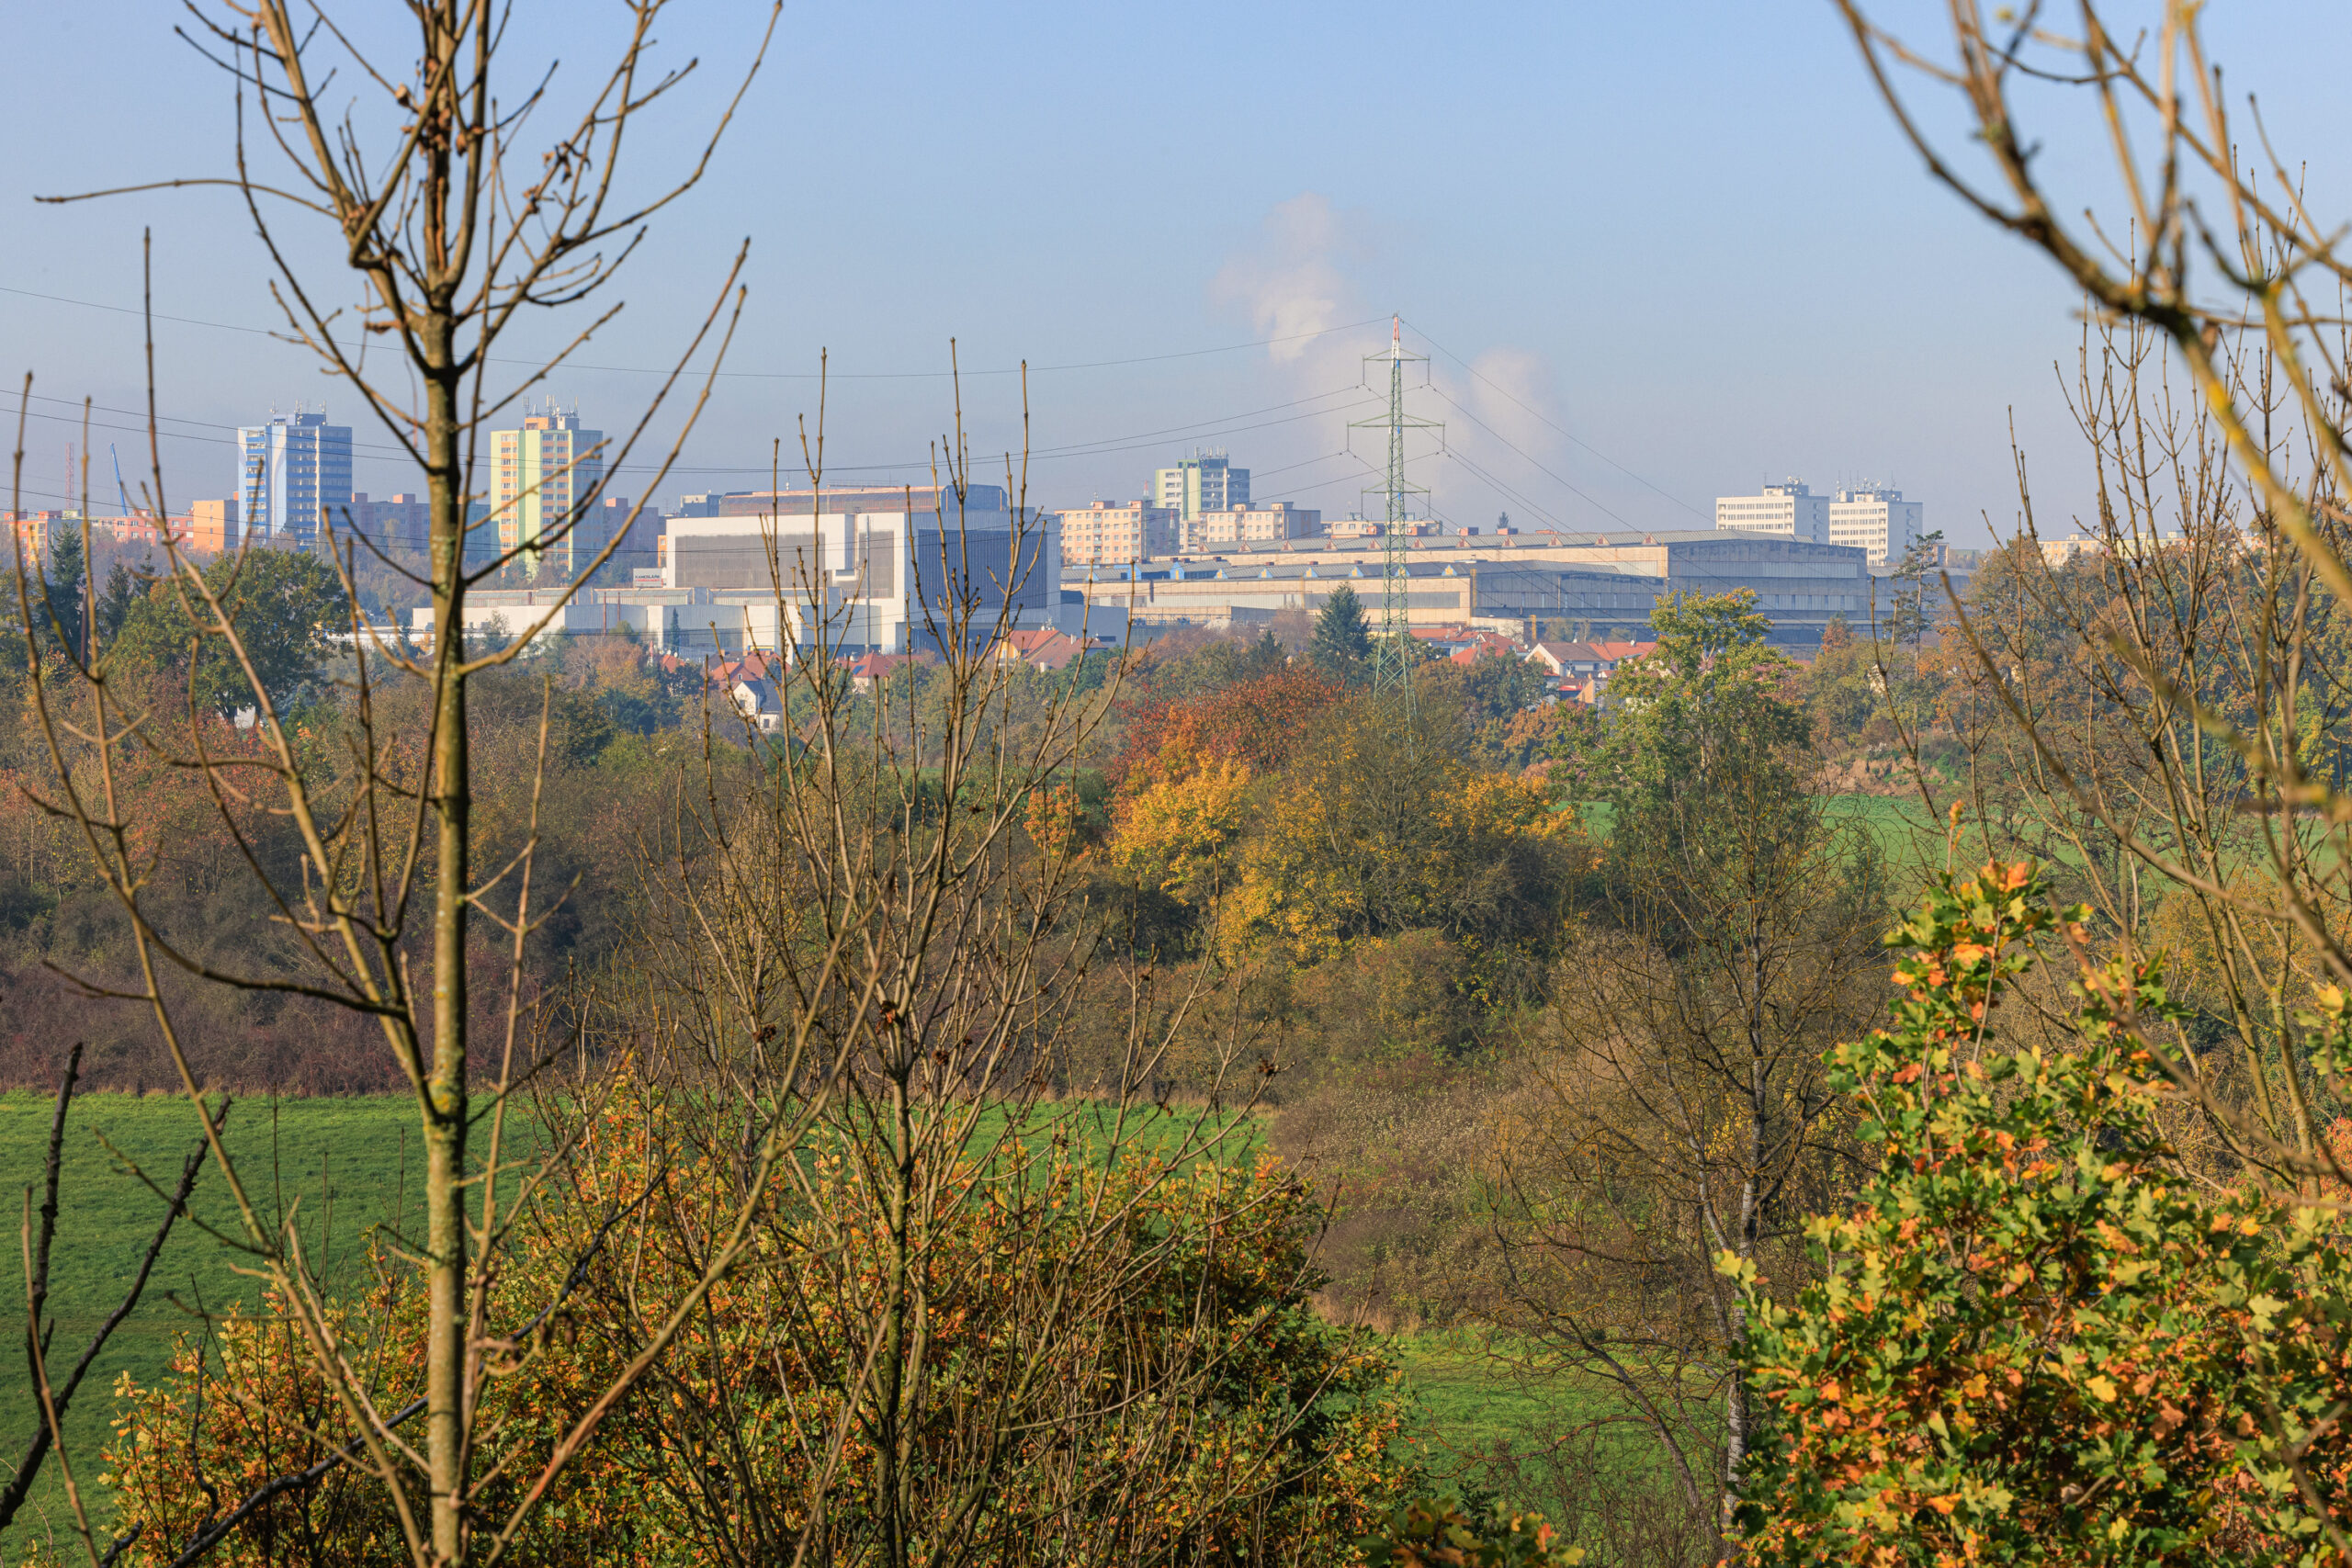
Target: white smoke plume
x,y
1293,282
1300,277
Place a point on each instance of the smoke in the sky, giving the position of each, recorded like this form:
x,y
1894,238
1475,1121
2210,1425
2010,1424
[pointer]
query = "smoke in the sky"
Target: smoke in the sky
x,y
1306,273
1293,281
1512,391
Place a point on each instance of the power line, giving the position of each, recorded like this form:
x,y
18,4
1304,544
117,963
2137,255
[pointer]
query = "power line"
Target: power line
x,y
1561,429
1102,447
1257,473
1197,426
745,374
1531,462
1515,497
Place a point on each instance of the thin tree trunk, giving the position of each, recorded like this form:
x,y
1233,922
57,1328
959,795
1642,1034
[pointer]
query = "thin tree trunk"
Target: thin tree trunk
x,y
445,1151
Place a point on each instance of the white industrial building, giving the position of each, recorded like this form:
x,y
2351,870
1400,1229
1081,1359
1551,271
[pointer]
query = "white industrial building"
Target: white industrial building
x,y
1603,580
884,562
1877,519
1784,511
690,622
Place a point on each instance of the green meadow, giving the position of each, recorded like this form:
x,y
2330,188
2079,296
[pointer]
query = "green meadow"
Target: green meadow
x,y
340,1167
345,1167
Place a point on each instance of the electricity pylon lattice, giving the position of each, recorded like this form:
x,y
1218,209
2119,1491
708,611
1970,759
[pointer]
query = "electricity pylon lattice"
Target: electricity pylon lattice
x,y
1392,665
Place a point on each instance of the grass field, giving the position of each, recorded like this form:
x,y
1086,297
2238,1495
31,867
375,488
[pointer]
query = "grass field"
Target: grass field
x,y
345,1167
1470,1405
1475,1413
340,1165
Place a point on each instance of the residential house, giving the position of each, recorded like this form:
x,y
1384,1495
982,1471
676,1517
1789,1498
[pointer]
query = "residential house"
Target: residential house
x,y
1484,645
1565,659
1582,668
872,667
760,703
1445,641
1043,648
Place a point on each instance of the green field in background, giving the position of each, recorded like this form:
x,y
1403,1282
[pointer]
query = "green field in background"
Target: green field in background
x,y
345,1167
340,1167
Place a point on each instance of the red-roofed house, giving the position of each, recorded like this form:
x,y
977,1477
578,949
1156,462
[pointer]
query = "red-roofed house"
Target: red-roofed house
x,y
1042,648
1485,645
864,672
1447,640
750,667
1566,658
1583,668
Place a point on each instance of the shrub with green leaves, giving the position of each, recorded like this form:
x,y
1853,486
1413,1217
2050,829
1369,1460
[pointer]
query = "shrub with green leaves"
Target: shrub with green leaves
x,y
2041,1337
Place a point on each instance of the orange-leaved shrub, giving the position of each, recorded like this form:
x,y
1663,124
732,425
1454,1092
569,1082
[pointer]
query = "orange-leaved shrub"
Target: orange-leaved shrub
x,y
2042,1334
1106,1365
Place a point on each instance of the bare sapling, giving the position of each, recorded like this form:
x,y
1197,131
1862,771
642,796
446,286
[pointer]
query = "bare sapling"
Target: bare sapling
x,y
452,234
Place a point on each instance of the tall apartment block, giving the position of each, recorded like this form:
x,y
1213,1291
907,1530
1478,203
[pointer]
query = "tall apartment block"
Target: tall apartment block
x,y
1201,483
1117,531
1784,511
1876,518
541,477
286,472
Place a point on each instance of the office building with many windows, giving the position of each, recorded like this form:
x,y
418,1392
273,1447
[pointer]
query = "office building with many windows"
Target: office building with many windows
x,y
288,471
1118,530
1877,519
1224,527
1784,511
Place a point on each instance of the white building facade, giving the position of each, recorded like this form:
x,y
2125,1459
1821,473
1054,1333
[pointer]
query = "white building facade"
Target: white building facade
x,y
287,472
1877,519
1222,528
1784,511
881,566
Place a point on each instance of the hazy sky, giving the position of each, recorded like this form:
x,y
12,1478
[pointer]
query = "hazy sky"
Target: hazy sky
x,y
1657,253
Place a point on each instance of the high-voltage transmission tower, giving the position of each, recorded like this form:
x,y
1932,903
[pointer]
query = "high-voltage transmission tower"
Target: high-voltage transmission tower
x,y
1392,659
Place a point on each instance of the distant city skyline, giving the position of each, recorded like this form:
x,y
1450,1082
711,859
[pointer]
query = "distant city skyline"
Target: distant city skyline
x,y
1652,253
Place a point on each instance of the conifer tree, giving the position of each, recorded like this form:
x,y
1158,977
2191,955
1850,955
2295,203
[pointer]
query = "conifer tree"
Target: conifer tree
x,y
1341,646
67,565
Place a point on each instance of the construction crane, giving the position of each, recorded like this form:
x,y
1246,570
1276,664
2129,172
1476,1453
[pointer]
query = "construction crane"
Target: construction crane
x,y
120,488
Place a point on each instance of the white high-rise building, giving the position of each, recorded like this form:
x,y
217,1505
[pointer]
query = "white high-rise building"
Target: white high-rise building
x,y
1784,511
1198,484
1876,518
540,477
286,472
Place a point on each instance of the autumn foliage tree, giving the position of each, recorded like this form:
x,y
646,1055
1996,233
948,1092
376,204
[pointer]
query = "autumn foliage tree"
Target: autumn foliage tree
x,y
1184,788
1678,1104
2039,1335
1193,1298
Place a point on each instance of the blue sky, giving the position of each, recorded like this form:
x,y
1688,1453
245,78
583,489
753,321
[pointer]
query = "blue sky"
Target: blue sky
x,y
1681,244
